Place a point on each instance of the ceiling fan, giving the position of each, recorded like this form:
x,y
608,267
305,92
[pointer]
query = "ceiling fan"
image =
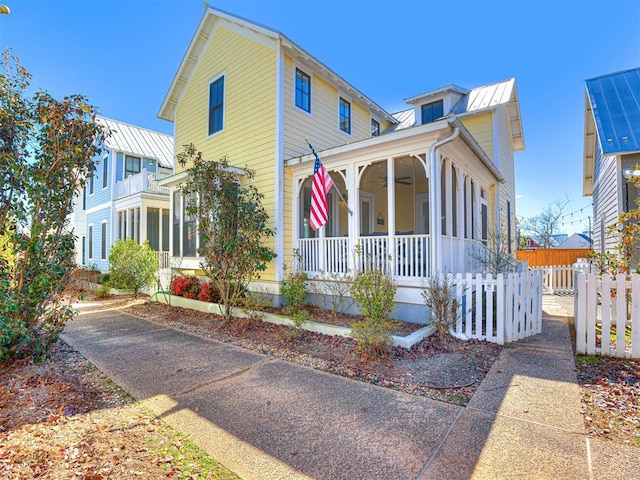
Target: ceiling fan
x,y
399,180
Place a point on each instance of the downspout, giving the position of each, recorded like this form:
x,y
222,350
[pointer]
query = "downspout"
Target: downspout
x,y
435,229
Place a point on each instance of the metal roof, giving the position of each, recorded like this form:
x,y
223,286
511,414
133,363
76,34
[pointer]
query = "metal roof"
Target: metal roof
x,y
615,103
137,140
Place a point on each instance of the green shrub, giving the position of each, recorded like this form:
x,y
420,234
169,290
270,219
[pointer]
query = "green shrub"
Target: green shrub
x,y
373,291
299,318
132,266
444,307
294,291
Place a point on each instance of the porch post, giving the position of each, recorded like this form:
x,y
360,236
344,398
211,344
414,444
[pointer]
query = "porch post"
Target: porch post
x,y
462,254
468,211
143,223
477,210
129,224
435,215
391,214
353,221
448,195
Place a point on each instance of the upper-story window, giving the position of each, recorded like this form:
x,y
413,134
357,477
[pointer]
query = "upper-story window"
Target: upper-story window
x,y
345,116
375,128
131,165
303,91
432,111
216,105
105,170
93,175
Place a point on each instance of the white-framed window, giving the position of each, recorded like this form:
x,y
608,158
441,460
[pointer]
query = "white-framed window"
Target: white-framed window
x,y
90,237
105,171
103,240
216,105
375,127
131,165
185,236
91,180
302,90
345,115
432,111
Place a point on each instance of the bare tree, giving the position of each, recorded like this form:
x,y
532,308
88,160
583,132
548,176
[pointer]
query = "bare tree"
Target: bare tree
x,y
494,257
546,224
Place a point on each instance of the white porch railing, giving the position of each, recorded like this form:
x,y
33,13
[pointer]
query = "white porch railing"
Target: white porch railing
x,y
408,259
607,315
140,182
501,309
163,260
556,278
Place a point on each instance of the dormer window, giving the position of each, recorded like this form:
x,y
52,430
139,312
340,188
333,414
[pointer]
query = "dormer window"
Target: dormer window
x,y
432,111
375,128
303,91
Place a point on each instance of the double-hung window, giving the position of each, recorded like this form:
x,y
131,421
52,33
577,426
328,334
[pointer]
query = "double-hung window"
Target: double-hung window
x,y
432,111
90,237
303,91
131,166
105,170
375,128
103,240
216,105
345,116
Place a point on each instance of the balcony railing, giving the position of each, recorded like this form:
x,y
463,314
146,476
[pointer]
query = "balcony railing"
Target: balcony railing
x,y
140,182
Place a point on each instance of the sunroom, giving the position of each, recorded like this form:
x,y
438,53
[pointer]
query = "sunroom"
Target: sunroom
x,y
433,217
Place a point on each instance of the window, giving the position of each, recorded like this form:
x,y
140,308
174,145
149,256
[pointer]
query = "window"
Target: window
x,y
131,166
93,175
90,235
189,230
105,168
303,91
345,116
84,250
176,223
375,128
84,199
103,239
432,111
216,105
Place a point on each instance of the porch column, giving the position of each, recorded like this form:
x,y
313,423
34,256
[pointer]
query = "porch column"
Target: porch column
x,y
435,215
468,211
477,210
353,221
448,197
462,254
143,223
391,214
129,233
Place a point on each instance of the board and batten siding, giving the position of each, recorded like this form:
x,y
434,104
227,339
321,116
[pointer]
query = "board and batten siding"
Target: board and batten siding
x,y
247,138
321,126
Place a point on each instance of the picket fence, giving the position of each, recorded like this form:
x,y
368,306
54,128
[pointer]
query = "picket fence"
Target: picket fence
x,y
604,307
556,279
499,309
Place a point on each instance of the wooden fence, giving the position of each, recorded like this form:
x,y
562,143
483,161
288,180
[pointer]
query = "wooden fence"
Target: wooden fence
x,y
551,256
501,309
607,315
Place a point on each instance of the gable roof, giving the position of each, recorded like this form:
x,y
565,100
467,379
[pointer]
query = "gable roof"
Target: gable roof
x,y
137,140
201,38
612,112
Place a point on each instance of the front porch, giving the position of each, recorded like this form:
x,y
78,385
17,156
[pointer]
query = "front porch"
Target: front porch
x,y
429,219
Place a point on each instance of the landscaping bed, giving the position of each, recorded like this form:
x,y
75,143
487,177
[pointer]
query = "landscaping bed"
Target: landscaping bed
x,y
444,369
64,419
610,390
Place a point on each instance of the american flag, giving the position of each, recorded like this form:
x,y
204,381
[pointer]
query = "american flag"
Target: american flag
x,y
322,183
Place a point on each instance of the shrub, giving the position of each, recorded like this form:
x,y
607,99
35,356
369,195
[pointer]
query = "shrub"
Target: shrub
x,y
333,290
299,318
373,291
185,286
444,307
207,294
294,291
132,266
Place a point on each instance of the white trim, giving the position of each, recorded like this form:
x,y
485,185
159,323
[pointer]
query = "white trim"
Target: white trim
x,y
371,199
371,120
97,208
296,66
105,158
103,239
278,183
90,242
214,79
124,164
346,99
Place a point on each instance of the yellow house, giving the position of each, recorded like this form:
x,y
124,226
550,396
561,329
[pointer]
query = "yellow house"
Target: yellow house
x,y
248,92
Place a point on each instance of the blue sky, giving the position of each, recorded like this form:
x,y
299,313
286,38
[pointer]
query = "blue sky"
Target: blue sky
x,y
124,54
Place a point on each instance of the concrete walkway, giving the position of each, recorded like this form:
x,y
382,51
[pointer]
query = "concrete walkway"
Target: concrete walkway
x,y
268,419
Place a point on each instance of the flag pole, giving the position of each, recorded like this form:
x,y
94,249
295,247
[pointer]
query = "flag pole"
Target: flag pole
x,y
333,183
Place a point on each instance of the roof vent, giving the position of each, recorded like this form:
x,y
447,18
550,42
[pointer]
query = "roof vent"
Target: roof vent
x,y
609,141
625,139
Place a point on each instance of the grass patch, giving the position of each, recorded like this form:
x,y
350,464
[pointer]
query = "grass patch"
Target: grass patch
x,y
586,360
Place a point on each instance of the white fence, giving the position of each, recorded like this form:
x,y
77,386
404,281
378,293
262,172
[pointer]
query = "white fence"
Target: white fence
x,y
556,278
501,309
607,315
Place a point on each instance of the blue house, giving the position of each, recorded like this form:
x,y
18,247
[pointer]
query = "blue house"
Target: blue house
x,y
123,198
611,150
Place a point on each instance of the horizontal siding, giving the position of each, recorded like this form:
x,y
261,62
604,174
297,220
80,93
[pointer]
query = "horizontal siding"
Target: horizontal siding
x,y
248,137
322,125
100,195
504,155
481,128
605,200
96,219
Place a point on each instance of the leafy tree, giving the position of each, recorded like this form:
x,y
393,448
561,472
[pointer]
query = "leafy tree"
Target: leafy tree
x,y
47,148
132,266
543,226
232,224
